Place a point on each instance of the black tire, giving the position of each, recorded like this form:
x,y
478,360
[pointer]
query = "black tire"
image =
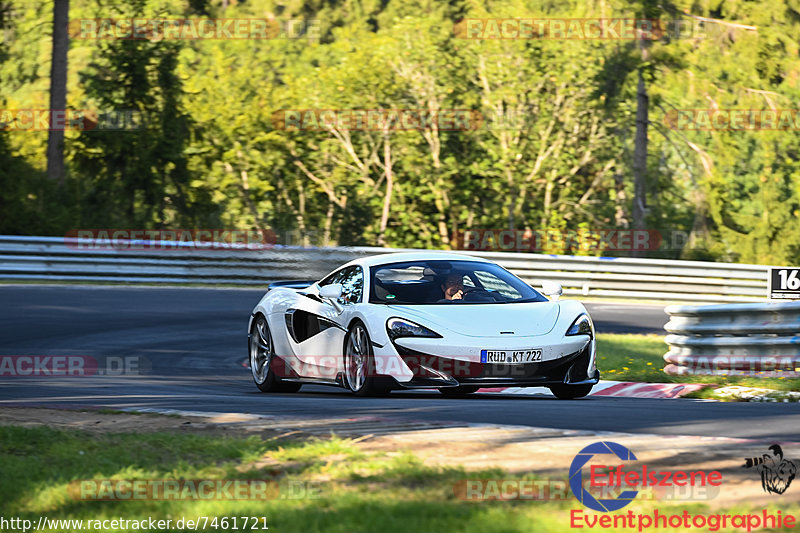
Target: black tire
x,y
458,392
570,392
261,356
358,353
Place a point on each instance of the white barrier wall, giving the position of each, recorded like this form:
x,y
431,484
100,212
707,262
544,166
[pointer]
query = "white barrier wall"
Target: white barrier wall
x,y
59,259
760,339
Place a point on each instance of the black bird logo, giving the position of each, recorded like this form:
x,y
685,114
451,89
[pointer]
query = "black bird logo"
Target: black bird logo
x,y
776,472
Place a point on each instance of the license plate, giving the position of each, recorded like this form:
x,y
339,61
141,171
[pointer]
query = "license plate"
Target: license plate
x,y
511,356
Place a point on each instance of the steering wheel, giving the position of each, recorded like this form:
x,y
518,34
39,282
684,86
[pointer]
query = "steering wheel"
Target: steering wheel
x,y
474,294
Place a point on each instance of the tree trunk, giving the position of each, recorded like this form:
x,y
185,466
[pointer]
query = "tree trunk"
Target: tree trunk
x,y
640,156
544,221
387,198
442,205
299,215
618,195
326,232
58,90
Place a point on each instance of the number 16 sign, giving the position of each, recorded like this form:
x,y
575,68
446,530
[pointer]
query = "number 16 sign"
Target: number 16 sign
x,y
784,283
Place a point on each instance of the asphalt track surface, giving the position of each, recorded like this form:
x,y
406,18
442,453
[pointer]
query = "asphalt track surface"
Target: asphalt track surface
x,y
190,344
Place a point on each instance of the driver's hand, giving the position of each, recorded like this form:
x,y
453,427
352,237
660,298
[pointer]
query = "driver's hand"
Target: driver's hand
x,y
458,295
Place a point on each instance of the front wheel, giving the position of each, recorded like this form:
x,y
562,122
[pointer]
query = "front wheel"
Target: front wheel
x,y
261,357
359,363
570,392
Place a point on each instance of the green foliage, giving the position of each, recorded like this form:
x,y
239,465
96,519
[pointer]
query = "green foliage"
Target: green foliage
x,y
137,176
553,149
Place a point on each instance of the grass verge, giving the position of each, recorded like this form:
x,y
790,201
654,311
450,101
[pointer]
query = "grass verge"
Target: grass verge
x,y
356,490
641,358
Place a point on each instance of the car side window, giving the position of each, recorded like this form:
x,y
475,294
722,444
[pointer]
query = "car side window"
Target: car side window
x,y
333,278
352,281
352,285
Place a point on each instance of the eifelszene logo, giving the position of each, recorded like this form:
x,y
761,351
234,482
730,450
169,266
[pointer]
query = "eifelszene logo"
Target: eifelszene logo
x,y
776,472
604,490
576,476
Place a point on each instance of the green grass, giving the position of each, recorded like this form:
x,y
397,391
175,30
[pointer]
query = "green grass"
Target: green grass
x,y
632,357
641,358
359,491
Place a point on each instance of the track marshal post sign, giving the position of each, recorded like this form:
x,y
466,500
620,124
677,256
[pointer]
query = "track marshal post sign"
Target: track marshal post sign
x,y
784,283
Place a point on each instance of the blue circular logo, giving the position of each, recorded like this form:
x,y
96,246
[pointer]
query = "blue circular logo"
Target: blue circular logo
x,y
576,477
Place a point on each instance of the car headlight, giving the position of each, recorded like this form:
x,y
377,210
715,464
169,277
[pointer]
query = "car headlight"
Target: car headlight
x,y
400,327
582,326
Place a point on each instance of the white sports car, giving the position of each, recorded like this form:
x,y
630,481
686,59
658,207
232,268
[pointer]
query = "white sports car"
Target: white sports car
x,y
413,320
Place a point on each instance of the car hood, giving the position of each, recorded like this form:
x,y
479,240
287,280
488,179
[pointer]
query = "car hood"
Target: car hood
x,y
484,320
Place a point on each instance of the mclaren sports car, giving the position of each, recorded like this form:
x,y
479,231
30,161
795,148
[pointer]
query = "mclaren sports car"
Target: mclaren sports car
x,y
421,320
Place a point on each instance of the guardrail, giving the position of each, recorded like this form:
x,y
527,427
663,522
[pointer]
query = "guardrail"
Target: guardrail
x,y
60,259
739,339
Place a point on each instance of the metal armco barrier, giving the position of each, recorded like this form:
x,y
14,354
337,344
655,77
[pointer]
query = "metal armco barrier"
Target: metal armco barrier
x,y
738,339
59,259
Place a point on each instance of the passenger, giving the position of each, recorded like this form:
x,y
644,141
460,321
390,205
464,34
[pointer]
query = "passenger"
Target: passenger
x,y
453,287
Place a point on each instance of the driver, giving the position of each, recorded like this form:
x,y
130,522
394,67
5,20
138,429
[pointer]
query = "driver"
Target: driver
x,y
453,287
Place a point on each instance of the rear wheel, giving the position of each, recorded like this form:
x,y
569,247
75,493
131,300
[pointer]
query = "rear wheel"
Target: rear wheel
x,y
570,392
359,363
457,392
261,357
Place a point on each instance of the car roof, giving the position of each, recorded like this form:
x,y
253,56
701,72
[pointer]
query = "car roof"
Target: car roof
x,y
399,257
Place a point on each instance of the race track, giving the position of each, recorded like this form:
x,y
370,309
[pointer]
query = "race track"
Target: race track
x,y
192,342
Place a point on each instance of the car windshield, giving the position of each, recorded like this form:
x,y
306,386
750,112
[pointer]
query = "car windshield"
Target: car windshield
x,y
447,283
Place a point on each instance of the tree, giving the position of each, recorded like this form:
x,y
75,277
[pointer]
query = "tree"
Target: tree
x,y
58,90
138,174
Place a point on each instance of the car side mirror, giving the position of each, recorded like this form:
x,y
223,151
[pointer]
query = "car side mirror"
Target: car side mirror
x,y
552,289
331,294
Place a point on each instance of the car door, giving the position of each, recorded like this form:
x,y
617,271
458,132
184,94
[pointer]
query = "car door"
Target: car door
x,y
316,329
